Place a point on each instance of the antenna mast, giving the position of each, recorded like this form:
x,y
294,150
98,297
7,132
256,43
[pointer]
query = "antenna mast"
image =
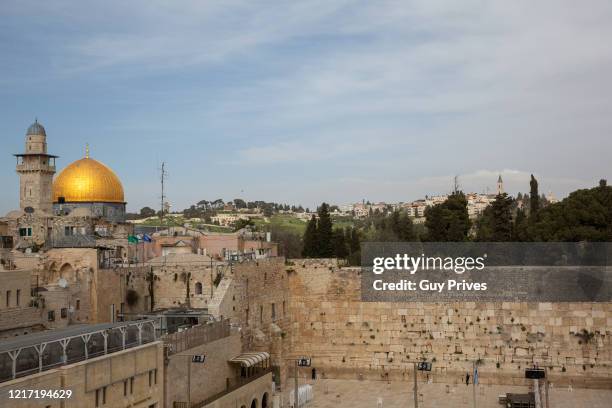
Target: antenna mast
x,y
163,196
456,184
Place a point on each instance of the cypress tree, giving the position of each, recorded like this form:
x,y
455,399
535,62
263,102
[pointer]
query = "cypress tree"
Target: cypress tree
x,y
534,197
310,239
340,246
501,213
405,229
325,247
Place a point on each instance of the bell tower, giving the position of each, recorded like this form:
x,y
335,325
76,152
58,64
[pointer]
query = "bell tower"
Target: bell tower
x,y
500,185
36,169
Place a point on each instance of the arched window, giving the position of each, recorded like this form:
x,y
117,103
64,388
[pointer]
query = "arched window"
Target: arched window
x,y
198,288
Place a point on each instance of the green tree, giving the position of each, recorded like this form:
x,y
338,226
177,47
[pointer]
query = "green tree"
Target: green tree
x,y
585,215
340,245
310,249
243,223
448,221
147,212
520,232
239,203
534,198
324,233
502,218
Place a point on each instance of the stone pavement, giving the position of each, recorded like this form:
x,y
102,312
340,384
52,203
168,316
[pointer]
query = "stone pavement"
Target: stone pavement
x,y
365,394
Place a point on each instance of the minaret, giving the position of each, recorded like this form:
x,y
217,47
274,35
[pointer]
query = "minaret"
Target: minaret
x,y
500,185
36,169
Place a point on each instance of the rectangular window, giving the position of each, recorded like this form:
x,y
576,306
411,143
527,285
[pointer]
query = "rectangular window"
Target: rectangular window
x,y
63,313
18,296
155,376
273,311
261,314
150,378
25,232
8,298
78,304
103,395
51,315
131,385
97,397
125,388
284,309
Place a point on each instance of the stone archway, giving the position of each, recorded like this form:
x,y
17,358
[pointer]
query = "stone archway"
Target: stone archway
x,y
51,275
66,272
254,403
264,400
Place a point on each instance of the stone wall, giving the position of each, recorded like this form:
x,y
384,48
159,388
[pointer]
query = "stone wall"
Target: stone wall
x,y
184,280
260,306
348,338
257,393
207,379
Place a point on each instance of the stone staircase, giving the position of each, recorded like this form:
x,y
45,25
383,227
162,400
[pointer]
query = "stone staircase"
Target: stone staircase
x,y
221,297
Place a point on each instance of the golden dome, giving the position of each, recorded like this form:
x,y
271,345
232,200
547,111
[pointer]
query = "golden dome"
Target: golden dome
x,y
87,181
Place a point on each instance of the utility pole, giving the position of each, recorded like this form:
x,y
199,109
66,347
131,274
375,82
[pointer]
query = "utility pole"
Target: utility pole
x,y
296,395
189,381
416,391
163,196
474,378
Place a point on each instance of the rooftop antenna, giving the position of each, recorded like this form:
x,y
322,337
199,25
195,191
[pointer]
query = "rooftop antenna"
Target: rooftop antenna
x,y
163,195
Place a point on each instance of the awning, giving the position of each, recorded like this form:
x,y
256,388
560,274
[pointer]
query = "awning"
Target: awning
x,y
250,359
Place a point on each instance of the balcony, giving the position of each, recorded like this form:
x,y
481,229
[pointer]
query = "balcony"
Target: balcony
x,y
35,167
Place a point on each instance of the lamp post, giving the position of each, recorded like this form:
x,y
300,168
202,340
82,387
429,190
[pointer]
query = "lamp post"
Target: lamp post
x,y
194,358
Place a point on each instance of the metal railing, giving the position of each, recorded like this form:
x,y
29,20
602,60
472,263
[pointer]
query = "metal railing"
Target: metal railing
x,y
73,241
196,335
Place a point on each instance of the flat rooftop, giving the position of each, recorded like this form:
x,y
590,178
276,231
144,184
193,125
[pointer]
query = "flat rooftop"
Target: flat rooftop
x,y
49,336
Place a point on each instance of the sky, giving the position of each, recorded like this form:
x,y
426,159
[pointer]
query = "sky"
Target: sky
x,y
311,101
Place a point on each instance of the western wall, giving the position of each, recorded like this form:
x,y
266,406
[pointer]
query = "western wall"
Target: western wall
x,y
349,338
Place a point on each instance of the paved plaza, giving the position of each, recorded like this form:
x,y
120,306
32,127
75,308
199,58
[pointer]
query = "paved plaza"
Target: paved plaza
x,y
367,394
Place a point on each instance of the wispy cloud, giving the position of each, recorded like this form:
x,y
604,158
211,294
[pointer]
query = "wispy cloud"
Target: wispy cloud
x,y
369,96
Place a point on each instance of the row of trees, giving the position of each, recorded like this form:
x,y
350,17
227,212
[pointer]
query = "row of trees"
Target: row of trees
x,y
321,240
585,215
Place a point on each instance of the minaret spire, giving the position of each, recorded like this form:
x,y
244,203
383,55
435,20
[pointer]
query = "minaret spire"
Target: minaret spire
x,y
87,150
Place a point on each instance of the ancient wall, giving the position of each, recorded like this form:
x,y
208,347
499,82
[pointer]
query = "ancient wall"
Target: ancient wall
x,y
349,338
207,379
260,306
184,280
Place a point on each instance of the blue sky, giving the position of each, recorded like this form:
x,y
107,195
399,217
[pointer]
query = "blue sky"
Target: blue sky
x,y
302,102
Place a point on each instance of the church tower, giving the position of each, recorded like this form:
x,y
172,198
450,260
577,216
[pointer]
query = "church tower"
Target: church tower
x,y
36,169
500,185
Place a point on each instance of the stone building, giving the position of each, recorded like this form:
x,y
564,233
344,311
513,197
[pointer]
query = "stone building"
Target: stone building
x,y
227,378
18,314
238,245
108,365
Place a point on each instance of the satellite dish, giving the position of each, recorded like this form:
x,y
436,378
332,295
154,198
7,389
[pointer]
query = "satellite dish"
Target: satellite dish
x,y
28,210
62,283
